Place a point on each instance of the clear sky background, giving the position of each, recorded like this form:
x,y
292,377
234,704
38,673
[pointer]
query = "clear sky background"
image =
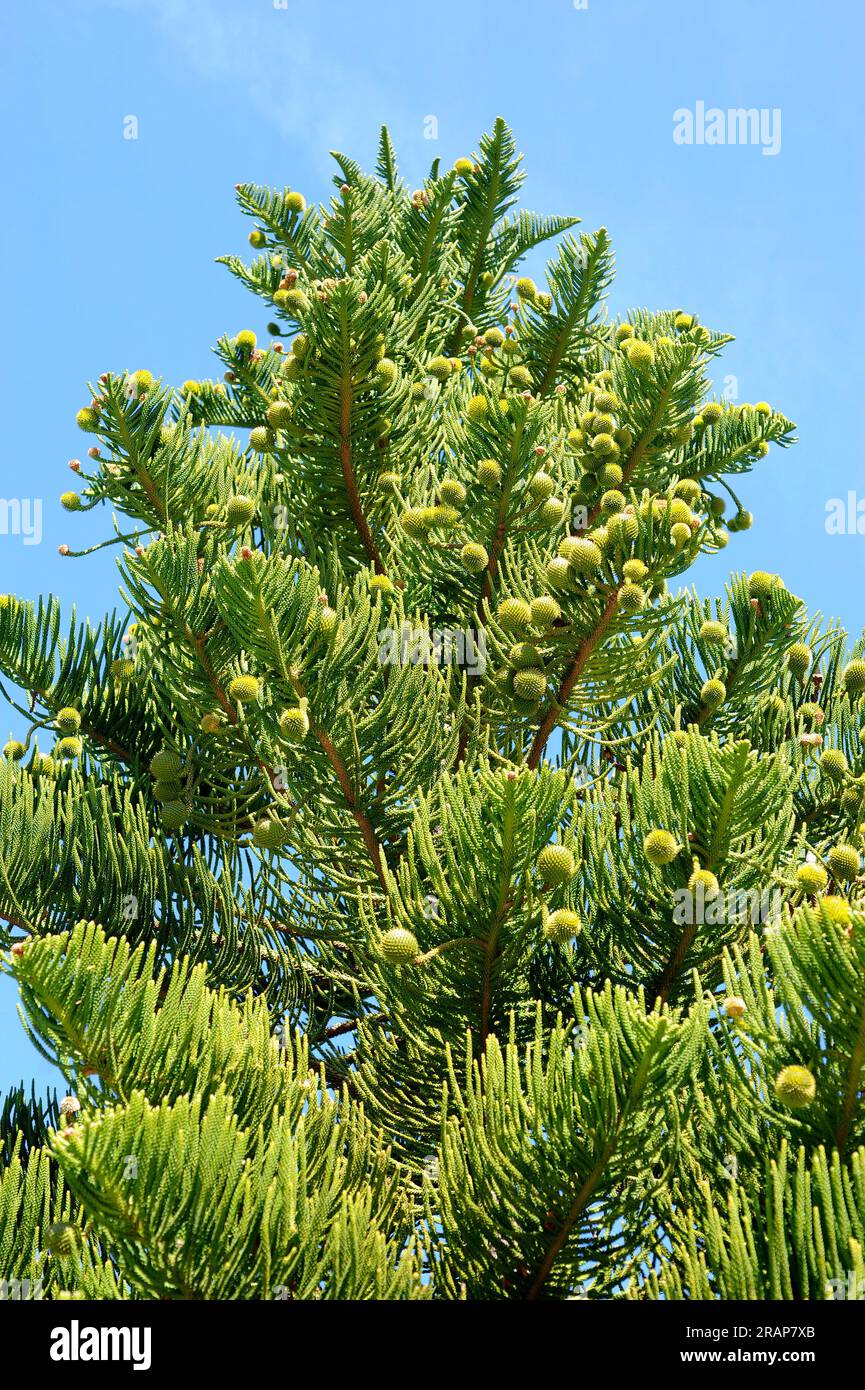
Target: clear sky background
x,y
108,243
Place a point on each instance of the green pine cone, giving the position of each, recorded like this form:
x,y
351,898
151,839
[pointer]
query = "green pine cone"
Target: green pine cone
x,y
853,677
243,689
530,684
844,862
68,720
660,847
799,660
812,877
713,694
795,1087
167,791
834,764
544,611
562,926
174,815
166,765
556,865
399,946
514,615
239,510
294,725
269,834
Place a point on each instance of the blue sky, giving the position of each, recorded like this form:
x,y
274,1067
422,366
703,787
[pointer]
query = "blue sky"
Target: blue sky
x,y
108,243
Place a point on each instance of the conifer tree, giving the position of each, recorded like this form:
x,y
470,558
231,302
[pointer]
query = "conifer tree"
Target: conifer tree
x,y
423,892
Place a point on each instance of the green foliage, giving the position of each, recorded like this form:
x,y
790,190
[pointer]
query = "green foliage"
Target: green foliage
x,y
419,888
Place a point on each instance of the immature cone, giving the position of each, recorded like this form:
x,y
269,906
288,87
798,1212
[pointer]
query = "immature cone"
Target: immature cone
x,y
280,414
68,720
678,510
702,881
795,1087
812,877
489,473
167,791
641,355
69,748
556,865
166,765
558,573
853,677
328,622
530,684
552,511
562,926
385,373
14,750
262,439
833,764
799,660
440,368
623,528
660,847
523,655
583,555
634,571
399,946
838,910
173,815
294,725
452,492
239,510
541,486
474,557
631,598
713,694
514,614
761,584
544,611
711,631
243,689
295,301
605,446
843,861
269,834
